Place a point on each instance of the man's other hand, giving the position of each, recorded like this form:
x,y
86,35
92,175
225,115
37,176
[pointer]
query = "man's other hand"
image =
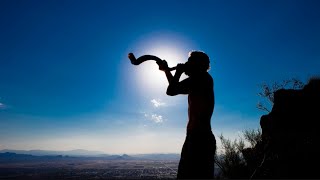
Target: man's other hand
x,y
163,65
180,68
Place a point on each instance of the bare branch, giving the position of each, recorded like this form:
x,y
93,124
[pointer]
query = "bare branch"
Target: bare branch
x,y
262,107
267,91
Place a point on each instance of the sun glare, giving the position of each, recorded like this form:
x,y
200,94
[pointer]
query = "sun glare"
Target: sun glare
x,y
151,77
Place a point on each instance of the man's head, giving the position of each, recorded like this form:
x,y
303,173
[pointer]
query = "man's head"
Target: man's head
x,y
198,62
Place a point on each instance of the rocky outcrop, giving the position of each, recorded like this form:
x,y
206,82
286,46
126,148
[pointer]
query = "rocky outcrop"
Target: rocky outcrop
x,y
290,134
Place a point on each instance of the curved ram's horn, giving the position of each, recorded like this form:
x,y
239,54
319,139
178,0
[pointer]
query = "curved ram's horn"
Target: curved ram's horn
x,y
144,58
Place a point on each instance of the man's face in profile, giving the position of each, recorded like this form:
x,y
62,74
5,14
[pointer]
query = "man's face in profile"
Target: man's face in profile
x,y
190,66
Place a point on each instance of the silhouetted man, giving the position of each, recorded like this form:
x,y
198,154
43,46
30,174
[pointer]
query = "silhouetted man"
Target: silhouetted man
x,y
197,156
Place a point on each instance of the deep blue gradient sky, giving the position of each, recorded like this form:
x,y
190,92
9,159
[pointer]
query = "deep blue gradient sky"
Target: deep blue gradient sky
x,y
66,82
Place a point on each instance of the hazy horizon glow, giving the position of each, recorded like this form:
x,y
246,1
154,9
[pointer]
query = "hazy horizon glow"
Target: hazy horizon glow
x,y
66,82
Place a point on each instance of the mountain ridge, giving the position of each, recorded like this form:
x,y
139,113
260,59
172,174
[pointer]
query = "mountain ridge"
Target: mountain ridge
x,y
80,153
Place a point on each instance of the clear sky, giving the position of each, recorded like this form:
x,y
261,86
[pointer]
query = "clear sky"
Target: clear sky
x,y
66,82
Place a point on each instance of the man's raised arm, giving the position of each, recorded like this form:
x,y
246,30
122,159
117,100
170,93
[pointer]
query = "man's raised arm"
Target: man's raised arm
x,y
163,66
175,87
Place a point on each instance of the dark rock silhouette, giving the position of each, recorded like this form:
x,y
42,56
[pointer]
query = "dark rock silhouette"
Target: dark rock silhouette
x,y
290,136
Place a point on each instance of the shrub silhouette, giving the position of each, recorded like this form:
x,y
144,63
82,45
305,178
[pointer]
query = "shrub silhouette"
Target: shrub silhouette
x,y
233,161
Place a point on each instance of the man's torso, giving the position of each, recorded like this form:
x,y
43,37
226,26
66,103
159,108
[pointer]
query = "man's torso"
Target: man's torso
x,y
200,102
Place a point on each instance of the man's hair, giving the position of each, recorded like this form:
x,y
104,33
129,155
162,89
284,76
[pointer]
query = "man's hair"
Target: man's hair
x,y
201,58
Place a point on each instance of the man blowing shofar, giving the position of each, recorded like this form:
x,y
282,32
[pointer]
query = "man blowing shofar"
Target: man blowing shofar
x,y
197,156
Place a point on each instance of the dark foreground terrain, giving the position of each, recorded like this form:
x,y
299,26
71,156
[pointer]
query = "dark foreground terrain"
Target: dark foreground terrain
x,y
90,169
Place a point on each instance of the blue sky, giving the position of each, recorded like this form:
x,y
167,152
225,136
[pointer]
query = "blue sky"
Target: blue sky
x,y
66,82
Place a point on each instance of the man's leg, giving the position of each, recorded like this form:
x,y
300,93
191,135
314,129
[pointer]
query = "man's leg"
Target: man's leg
x,y
197,158
185,166
203,152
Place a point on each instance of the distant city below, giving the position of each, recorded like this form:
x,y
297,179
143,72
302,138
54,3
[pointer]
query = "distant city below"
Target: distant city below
x,y
38,164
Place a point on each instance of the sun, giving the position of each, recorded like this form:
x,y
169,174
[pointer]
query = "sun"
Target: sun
x,y
169,46
152,79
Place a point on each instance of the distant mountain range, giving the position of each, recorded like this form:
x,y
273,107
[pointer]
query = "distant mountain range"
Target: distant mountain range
x,y
9,155
76,152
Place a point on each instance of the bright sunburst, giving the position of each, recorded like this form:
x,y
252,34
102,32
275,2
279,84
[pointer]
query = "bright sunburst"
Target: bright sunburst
x,y
151,77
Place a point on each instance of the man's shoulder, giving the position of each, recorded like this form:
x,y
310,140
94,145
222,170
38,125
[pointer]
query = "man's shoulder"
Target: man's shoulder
x,y
208,77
